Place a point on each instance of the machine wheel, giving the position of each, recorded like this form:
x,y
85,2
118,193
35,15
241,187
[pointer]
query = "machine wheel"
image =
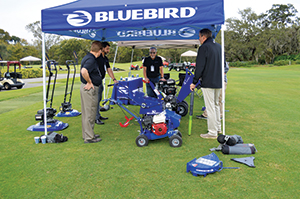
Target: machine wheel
x,y
169,68
175,141
178,69
141,141
7,86
19,87
183,108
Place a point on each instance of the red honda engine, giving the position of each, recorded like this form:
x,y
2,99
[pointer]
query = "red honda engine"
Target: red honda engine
x,y
159,129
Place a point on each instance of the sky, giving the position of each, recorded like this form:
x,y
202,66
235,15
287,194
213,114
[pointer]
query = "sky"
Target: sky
x,y
16,14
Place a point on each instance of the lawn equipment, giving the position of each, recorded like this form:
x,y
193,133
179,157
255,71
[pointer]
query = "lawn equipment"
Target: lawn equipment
x,y
134,67
13,79
166,64
66,107
177,66
206,165
173,102
156,122
52,124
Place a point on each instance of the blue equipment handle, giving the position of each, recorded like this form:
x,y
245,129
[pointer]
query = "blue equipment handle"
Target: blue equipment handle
x,y
220,166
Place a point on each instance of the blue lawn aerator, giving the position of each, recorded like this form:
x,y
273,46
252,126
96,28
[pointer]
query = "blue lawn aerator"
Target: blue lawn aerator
x,y
66,109
157,121
52,124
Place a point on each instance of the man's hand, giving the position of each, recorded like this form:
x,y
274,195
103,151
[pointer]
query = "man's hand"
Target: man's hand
x,y
116,81
88,86
146,79
192,87
163,79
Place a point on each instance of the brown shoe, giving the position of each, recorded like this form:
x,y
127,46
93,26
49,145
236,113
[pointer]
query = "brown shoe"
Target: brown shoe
x,y
208,136
92,140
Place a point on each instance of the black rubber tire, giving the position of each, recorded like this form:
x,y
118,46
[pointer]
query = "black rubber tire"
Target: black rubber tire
x,y
183,108
175,141
169,68
141,141
177,69
19,87
7,86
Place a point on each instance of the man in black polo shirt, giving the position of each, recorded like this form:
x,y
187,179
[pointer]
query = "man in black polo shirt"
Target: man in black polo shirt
x,y
91,79
153,70
104,66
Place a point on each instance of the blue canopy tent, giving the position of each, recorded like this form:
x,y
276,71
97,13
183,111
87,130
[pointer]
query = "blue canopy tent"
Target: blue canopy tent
x,y
133,20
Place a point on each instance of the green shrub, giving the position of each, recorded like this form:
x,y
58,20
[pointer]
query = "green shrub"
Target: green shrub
x,y
243,64
281,62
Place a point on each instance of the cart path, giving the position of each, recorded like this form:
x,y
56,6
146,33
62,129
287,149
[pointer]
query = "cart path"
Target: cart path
x,y
29,83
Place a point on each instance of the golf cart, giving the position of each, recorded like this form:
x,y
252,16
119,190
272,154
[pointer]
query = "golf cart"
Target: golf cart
x,y
12,79
1,86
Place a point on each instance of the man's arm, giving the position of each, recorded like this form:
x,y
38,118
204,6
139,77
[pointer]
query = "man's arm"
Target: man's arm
x,y
111,74
200,63
161,68
145,73
86,76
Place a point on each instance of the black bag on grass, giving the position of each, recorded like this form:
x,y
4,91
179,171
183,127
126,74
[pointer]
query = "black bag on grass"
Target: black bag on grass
x,y
53,137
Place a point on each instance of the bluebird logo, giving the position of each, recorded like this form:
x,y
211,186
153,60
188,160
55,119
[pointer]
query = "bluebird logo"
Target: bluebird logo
x,y
79,18
186,32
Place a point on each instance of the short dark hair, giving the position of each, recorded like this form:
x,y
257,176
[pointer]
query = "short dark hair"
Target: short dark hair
x,y
206,32
96,46
104,44
153,48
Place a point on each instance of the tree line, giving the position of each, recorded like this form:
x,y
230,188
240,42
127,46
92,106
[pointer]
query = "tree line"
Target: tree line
x,y
259,38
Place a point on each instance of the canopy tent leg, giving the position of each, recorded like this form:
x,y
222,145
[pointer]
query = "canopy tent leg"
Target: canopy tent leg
x,y
44,82
223,84
129,75
112,69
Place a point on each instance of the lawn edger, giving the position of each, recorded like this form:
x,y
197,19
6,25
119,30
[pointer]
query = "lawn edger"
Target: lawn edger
x,y
52,124
66,109
156,121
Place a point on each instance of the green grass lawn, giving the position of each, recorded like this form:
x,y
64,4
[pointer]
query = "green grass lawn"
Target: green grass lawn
x,y
263,104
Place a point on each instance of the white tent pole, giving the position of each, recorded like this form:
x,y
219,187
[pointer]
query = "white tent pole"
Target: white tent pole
x,y
44,82
113,68
223,84
131,60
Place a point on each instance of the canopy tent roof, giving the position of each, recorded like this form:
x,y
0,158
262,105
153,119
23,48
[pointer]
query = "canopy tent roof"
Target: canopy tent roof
x,y
30,58
134,20
189,53
162,43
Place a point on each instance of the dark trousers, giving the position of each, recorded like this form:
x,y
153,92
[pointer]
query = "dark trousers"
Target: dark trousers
x,y
100,91
150,91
